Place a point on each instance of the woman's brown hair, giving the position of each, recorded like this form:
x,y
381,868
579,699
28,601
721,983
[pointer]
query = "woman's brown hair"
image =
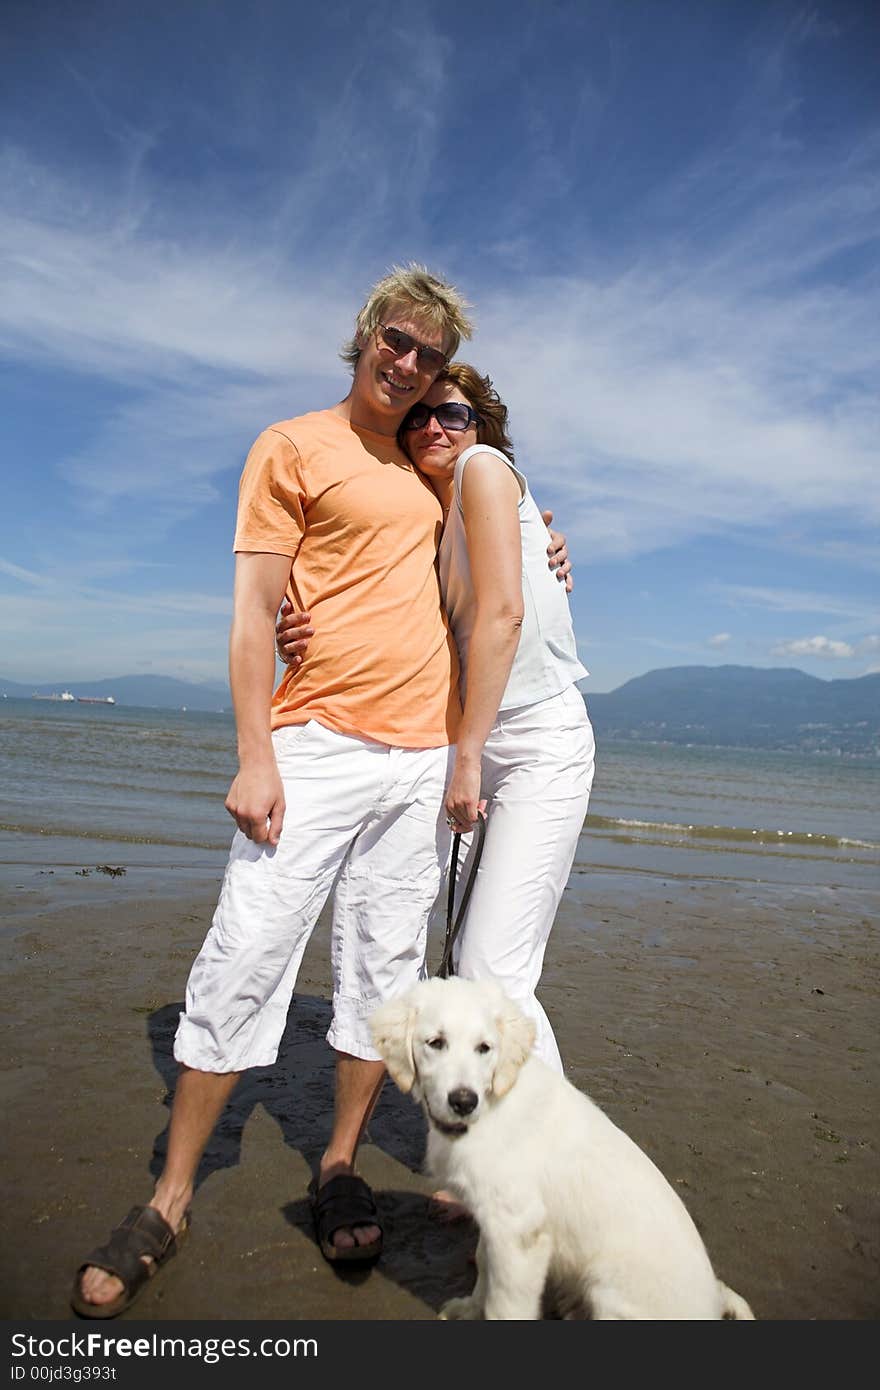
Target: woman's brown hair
x,y
492,429
481,394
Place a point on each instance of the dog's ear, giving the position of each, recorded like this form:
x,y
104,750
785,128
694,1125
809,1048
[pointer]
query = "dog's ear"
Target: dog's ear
x,y
392,1028
516,1038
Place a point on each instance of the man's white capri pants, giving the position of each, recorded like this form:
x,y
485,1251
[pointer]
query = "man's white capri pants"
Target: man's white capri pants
x,y
537,772
362,818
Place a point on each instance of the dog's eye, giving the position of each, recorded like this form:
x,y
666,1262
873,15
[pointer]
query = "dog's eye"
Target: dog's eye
x,y
484,1047
437,1043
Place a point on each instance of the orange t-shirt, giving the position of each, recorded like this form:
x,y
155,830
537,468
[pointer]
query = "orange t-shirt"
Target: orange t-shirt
x,y
361,527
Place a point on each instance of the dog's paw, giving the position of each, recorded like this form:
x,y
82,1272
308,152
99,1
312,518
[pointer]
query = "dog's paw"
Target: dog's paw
x,y
461,1310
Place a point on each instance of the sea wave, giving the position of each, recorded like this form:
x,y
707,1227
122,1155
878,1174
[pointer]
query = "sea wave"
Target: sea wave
x,y
119,837
143,793
705,836
728,833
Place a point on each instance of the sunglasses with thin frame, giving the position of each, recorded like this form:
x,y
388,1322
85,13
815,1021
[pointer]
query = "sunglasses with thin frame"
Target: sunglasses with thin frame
x,y
401,344
450,415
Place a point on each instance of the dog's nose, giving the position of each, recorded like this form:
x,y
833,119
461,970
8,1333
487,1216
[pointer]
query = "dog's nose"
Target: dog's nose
x,y
462,1101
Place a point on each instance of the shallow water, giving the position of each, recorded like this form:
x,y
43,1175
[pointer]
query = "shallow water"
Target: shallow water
x,y
84,784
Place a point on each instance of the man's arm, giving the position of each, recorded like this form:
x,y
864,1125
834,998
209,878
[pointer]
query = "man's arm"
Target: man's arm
x,y
256,797
294,629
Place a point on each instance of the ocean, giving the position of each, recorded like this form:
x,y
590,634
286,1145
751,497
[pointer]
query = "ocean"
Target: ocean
x,y
82,785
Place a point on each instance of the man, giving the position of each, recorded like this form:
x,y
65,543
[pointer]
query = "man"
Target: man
x,y
341,773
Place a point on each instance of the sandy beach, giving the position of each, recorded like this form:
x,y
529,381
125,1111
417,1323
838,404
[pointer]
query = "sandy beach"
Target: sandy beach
x,y
729,1027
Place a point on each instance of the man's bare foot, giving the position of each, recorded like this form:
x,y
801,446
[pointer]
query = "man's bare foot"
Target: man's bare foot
x,y
347,1237
447,1208
98,1287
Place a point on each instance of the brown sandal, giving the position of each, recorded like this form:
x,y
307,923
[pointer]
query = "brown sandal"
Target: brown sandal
x,y
343,1202
144,1232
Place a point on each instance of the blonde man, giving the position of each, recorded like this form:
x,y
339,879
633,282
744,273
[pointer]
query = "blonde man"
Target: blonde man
x,y
341,774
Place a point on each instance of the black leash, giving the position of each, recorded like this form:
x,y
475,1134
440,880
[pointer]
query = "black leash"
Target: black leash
x,y
446,968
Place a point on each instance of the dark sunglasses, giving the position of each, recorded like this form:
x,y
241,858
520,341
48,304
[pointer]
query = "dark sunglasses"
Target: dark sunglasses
x,y
451,415
402,343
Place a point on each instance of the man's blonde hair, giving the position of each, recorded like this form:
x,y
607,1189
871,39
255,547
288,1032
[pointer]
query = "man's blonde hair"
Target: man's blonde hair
x,y
414,288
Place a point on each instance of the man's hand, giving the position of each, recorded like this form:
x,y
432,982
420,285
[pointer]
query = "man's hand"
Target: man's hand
x,y
292,633
256,803
557,551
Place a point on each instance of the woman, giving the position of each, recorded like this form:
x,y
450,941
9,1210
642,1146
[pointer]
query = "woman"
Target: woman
x,y
525,746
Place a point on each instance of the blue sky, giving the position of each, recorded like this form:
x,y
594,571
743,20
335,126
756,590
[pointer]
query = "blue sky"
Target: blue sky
x,y
665,214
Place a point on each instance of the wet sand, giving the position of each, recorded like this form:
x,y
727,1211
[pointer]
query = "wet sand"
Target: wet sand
x,y
730,1028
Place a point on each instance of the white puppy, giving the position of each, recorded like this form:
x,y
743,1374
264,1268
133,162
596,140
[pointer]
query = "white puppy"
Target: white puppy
x,y
562,1197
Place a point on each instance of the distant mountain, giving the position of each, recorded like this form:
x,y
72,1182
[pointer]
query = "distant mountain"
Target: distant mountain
x,y
728,706
151,692
743,706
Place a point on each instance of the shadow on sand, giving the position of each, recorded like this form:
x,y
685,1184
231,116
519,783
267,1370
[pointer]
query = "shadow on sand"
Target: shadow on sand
x,y
420,1253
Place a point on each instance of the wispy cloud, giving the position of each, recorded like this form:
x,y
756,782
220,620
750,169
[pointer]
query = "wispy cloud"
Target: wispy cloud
x,y
78,632
824,647
88,292
161,603
24,576
784,600
703,387
704,390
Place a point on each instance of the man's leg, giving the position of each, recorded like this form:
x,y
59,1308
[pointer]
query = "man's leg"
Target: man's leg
x,y
239,989
199,1100
381,907
358,1086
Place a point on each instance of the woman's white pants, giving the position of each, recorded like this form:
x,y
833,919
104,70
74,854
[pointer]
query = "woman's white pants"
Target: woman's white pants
x,y
537,772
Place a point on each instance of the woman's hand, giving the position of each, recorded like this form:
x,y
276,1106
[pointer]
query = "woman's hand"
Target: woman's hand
x,y
292,633
463,796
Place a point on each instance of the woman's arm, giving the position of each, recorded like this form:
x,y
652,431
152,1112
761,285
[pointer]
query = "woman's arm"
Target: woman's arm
x,y
490,499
